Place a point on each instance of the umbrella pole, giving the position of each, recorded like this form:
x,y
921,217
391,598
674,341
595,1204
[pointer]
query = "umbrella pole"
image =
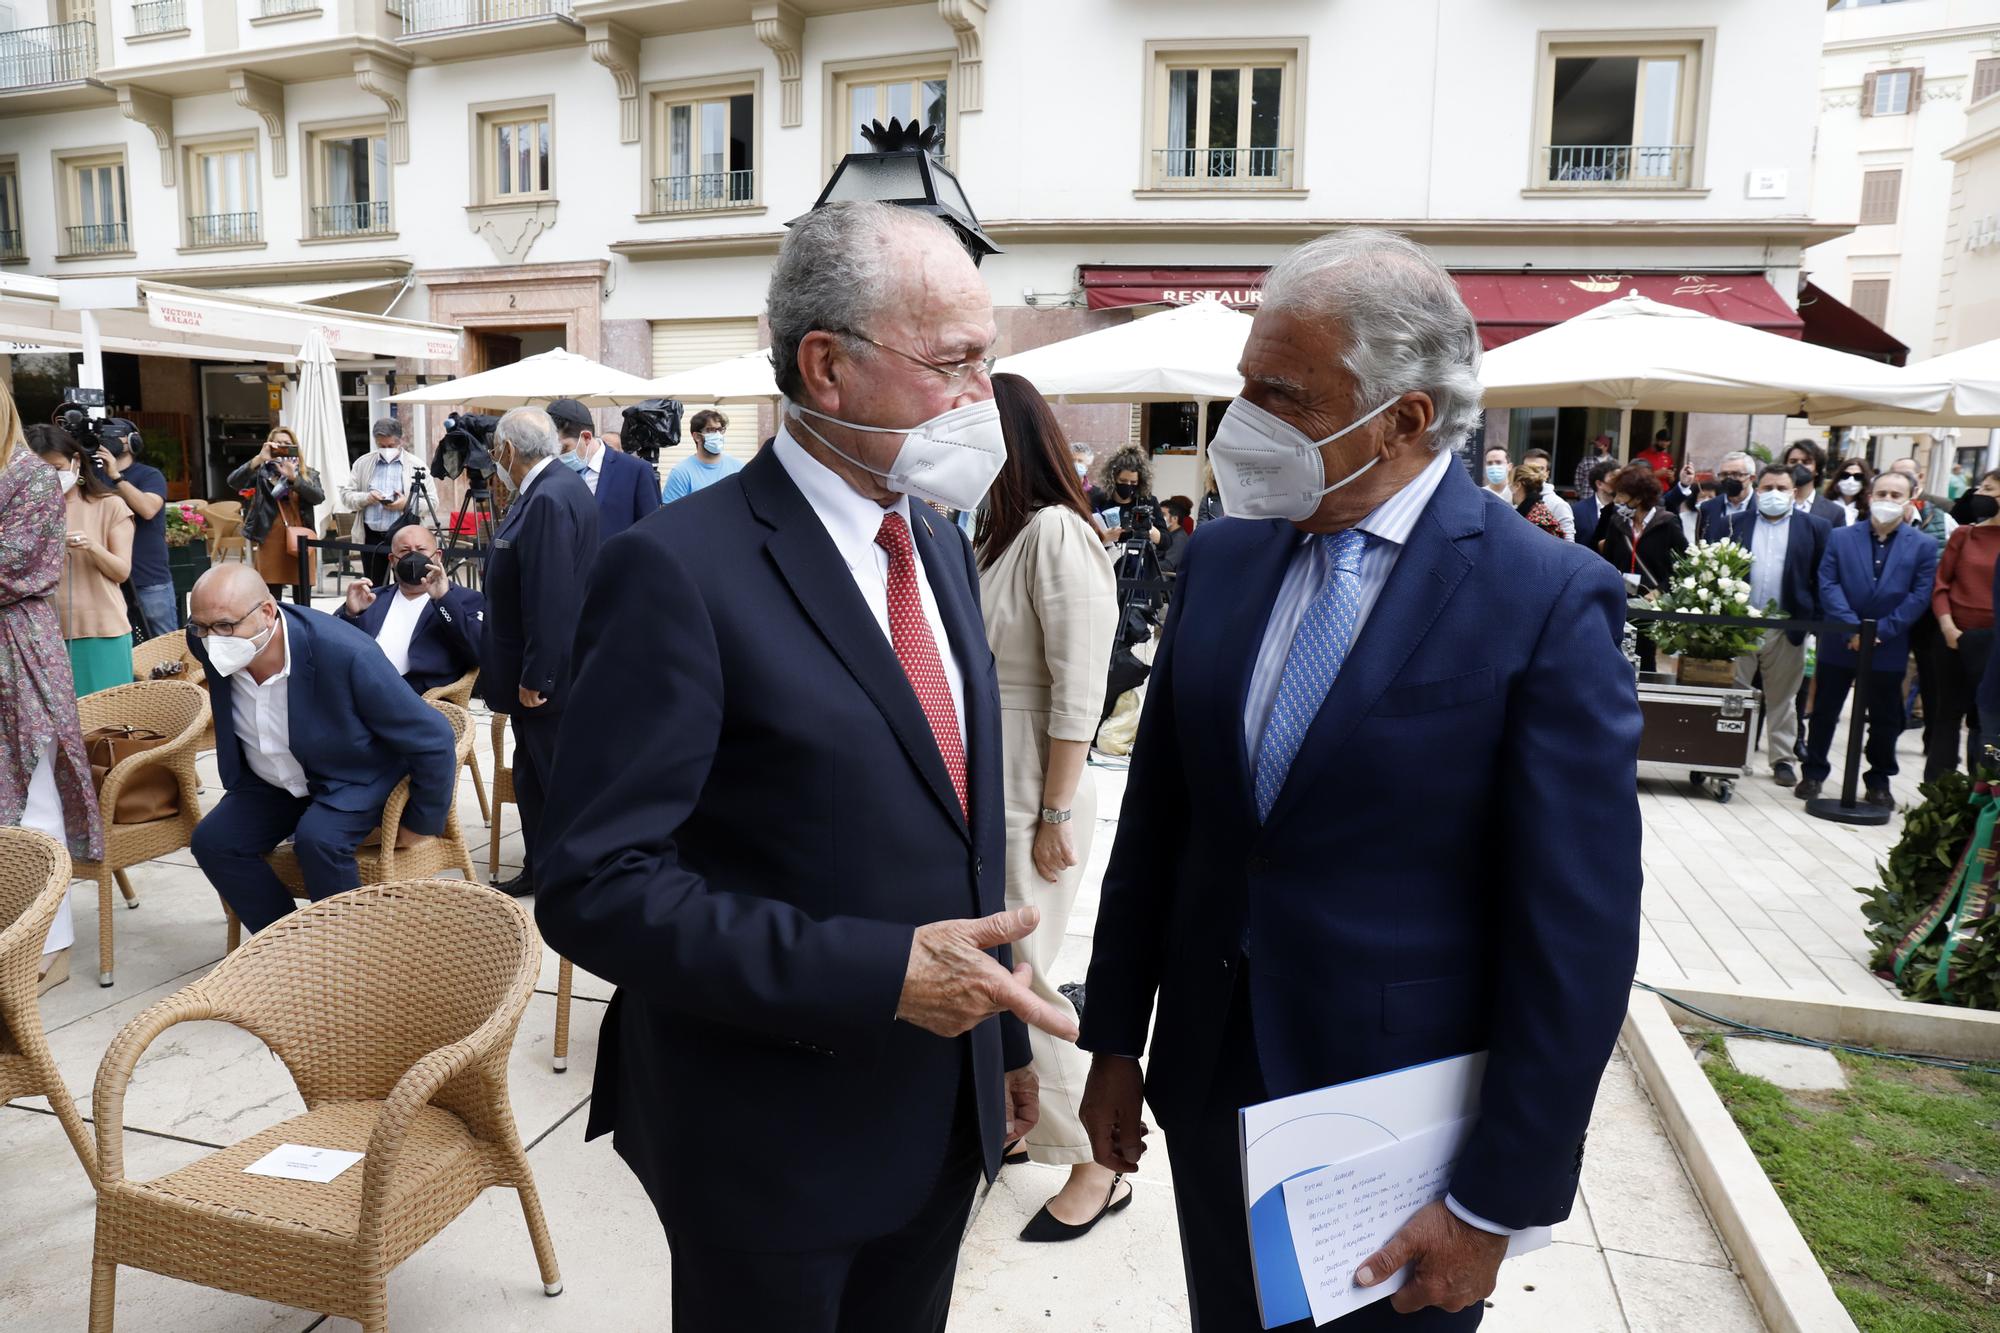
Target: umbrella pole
x,y
1625,433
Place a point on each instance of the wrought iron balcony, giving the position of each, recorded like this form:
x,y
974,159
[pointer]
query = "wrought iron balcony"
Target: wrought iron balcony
x,y
224,229
279,8
97,238
426,16
156,16
704,191
41,57
1618,166
367,218
10,243
1222,168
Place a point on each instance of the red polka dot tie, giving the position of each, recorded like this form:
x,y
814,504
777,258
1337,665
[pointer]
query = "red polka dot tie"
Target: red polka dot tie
x,y
916,648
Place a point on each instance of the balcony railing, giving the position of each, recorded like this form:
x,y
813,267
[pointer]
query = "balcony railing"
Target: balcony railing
x,y
40,57
271,9
367,218
157,16
422,16
10,243
1618,166
703,191
97,238
224,229
1222,168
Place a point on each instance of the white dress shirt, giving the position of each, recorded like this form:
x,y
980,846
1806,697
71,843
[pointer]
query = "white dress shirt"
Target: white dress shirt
x,y
400,627
1770,542
592,466
263,716
852,520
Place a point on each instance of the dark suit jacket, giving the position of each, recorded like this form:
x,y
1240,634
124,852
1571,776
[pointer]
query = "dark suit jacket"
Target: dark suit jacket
x,y
748,856
1587,511
1486,693
446,643
1828,512
356,729
627,491
534,587
1849,591
1802,556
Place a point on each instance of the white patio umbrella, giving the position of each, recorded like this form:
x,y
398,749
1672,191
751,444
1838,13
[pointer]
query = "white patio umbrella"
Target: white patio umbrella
x,y
1189,352
316,418
1974,376
535,380
739,379
1633,353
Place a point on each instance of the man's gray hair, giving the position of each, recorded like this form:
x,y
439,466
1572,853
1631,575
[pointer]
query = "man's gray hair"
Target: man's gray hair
x,y
530,430
388,428
1734,456
1405,325
836,271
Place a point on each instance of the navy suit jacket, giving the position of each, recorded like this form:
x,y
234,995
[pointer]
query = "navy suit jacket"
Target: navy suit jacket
x,y
627,491
1391,913
1587,512
1803,553
747,857
534,587
1828,512
445,644
1850,592
356,728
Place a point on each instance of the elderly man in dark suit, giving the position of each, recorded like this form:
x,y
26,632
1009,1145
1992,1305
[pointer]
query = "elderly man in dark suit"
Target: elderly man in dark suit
x,y
426,625
1785,545
625,487
796,880
534,587
1370,679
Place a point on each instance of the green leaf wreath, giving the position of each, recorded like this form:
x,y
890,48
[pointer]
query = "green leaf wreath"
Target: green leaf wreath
x,y
1918,868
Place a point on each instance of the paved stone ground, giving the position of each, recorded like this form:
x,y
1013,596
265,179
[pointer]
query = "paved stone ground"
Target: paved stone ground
x,y
1752,891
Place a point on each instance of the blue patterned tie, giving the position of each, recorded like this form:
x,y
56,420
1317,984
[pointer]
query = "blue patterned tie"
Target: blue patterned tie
x,y
1319,646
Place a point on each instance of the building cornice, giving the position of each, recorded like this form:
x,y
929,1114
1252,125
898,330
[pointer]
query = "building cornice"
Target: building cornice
x,y
285,271
328,58
1905,38
516,275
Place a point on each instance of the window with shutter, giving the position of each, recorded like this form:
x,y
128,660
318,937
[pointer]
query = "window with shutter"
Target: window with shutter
x,y
1880,191
1889,92
1869,298
1868,94
1985,78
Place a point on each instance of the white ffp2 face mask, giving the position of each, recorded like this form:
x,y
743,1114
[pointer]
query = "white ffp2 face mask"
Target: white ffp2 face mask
x,y
1265,467
950,460
65,479
229,656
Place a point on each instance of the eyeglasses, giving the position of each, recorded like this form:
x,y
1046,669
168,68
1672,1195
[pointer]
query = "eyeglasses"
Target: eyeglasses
x,y
226,628
955,374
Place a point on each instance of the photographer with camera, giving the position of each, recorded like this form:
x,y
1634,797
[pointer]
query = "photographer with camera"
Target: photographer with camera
x,y
1133,512
280,512
97,549
708,464
379,490
426,625
626,488
144,488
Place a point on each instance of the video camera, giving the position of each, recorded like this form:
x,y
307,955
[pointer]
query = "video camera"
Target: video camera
x,y
467,447
652,426
94,433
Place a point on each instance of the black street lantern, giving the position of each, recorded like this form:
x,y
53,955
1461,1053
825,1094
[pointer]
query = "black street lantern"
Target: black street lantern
x,y
901,171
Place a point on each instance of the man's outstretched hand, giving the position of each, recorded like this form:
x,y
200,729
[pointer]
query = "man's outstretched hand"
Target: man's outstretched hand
x,y
952,985
1453,1264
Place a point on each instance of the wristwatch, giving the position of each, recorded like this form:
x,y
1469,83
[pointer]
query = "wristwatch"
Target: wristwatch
x,y
1054,816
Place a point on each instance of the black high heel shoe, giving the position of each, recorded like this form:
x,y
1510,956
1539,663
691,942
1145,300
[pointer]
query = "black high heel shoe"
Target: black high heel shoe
x,y
1044,1226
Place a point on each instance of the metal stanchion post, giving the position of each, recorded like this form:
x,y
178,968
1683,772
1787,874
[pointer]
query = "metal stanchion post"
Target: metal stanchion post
x,y
1848,810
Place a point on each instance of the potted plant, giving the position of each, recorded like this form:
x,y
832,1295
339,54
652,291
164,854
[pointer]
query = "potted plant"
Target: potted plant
x,y
187,545
1710,578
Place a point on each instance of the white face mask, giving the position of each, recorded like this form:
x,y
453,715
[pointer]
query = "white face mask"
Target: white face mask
x,y
1774,504
950,460
1265,467
712,441
229,656
1849,486
1886,512
65,479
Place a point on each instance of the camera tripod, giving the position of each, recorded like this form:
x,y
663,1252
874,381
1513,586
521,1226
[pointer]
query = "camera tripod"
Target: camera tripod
x,y
458,549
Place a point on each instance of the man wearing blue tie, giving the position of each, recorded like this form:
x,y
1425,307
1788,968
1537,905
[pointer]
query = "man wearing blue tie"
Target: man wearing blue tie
x,y
1370,678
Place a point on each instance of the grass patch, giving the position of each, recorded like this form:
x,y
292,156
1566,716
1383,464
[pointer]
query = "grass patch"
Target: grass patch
x,y
1895,1184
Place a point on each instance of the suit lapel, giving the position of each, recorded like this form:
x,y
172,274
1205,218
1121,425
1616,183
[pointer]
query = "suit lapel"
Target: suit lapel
x,y
299,685
1427,573
812,566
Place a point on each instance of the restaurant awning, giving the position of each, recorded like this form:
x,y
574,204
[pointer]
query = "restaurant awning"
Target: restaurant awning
x,y
1112,286
1830,323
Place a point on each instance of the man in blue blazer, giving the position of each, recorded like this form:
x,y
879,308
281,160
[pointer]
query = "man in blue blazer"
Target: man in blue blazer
x,y
1785,545
1594,502
534,587
426,625
626,488
1714,516
1318,880
789,859
1880,570
313,730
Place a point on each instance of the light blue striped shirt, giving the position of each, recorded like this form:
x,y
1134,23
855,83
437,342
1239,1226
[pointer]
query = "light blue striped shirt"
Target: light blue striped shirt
x,y
1388,527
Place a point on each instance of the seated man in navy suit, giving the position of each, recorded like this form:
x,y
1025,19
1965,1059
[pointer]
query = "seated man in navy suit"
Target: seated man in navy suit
x,y
1879,570
1785,545
1368,676
313,730
625,486
426,625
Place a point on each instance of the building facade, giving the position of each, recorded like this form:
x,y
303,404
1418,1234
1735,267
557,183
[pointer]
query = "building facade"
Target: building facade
x,y
614,176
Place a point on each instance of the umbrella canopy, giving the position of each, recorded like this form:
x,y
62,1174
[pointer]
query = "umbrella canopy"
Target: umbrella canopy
x,y
535,380
1188,352
1974,376
1637,353
739,379
316,418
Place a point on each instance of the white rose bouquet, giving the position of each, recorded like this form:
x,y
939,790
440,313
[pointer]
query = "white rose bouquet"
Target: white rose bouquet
x,y
1710,578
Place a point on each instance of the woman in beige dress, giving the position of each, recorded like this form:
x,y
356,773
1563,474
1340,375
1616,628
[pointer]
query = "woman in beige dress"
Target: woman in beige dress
x,y
1050,603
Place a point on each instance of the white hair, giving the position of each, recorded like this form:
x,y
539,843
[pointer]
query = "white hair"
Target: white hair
x,y
1735,454
1404,323
836,271
530,430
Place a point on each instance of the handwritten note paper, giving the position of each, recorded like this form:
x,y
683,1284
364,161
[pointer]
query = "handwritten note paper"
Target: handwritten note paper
x,y
295,1161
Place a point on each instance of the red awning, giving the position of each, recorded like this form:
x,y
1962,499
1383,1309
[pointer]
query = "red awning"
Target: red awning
x,y
1845,329
1513,305
1110,286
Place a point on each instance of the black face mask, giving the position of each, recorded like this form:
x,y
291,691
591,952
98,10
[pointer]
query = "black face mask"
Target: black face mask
x,y
1733,487
412,568
1979,508
1125,492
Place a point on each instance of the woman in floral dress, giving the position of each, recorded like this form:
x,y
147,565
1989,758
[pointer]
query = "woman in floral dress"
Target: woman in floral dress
x,y
44,774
